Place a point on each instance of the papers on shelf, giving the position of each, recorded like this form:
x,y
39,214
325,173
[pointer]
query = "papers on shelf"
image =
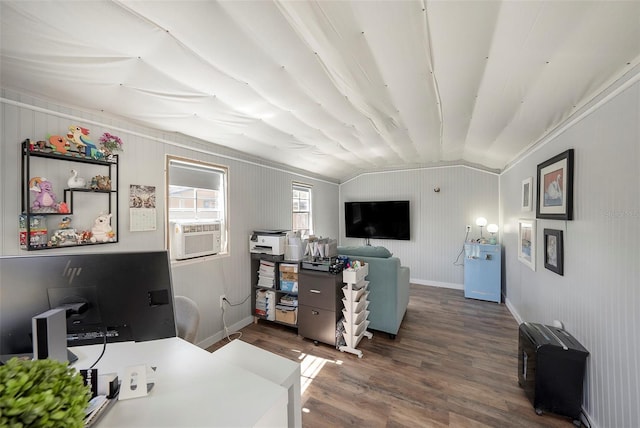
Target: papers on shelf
x,y
288,300
267,274
265,304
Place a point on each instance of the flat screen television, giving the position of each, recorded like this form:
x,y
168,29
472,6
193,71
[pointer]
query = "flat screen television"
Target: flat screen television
x,y
377,219
126,296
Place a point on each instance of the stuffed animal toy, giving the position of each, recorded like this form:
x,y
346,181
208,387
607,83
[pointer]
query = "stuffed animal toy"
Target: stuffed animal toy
x,y
100,182
101,230
84,237
63,208
45,198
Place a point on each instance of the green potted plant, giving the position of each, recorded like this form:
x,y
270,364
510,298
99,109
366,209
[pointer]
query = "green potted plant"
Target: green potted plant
x,y
42,393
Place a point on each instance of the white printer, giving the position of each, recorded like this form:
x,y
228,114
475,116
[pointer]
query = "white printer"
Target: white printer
x,y
268,242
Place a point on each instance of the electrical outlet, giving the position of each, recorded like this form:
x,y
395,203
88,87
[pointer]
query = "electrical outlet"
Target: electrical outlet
x,y
222,299
468,228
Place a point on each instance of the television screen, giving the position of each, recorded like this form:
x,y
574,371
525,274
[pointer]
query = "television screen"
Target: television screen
x,y
127,295
377,219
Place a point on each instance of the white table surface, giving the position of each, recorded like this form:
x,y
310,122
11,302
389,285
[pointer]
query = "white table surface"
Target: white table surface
x,y
192,388
268,365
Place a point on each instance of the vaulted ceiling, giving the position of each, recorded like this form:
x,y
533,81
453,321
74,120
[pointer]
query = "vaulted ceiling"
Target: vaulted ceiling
x,y
331,87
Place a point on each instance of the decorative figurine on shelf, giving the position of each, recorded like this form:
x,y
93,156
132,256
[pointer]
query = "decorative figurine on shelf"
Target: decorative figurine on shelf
x,y
63,208
38,146
101,230
101,182
38,231
66,235
110,143
63,237
84,237
45,199
80,137
65,223
41,146
75,182
58,144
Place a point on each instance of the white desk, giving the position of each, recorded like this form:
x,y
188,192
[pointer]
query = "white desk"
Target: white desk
x,y
270,366
192,389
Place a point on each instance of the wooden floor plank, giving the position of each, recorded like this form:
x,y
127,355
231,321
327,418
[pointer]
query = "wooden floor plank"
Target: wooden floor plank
x,y
452,364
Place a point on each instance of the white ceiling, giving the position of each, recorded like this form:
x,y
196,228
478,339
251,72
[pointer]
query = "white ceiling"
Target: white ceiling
x,y
331,87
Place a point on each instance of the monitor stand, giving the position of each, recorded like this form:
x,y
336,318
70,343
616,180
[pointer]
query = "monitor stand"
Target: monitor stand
x,y
71,357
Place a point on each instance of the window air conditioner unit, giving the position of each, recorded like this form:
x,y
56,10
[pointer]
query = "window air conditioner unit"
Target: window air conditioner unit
x,y
194,239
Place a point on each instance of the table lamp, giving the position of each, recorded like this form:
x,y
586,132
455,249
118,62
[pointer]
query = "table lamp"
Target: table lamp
x,y
492,229
482,222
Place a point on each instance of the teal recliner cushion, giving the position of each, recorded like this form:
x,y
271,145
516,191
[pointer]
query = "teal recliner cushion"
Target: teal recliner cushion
x,y
365,251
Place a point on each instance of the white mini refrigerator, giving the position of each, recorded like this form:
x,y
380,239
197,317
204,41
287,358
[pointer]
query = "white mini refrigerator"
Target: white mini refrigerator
x,y
482,271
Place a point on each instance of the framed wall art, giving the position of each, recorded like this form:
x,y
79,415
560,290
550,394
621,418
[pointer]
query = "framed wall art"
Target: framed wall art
x,y
555,188
554,251
526,193
527,242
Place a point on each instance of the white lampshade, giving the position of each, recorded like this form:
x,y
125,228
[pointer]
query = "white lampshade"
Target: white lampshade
x,y
492,228
481,221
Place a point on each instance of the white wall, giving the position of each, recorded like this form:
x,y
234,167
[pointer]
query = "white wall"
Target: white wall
x,y
598,298
438,220
259,193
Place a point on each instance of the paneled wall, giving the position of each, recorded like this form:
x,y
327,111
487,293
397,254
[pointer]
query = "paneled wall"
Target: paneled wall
x,y
598,298
259,198
438,219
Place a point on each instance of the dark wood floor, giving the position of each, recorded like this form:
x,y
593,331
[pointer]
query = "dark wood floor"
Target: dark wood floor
x,y
453,363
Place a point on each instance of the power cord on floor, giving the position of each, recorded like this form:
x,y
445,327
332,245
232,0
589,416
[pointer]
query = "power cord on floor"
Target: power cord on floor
x,y
224,322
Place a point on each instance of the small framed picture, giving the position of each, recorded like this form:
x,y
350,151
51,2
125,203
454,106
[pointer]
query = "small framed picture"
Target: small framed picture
x,y
553,251
526,194
527,242
555,188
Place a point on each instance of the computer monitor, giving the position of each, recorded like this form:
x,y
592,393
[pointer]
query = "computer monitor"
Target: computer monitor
x,y
127,295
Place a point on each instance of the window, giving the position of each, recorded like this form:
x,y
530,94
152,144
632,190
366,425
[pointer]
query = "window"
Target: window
x,y
197,192
302,214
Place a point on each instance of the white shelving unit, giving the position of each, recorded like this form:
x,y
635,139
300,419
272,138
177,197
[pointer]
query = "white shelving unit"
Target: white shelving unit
x,y
355,308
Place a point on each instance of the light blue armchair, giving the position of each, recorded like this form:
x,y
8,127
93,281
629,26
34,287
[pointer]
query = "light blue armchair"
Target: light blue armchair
x,y
388,286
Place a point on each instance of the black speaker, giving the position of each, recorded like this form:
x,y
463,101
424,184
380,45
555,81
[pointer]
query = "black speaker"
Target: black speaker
x,y
50,335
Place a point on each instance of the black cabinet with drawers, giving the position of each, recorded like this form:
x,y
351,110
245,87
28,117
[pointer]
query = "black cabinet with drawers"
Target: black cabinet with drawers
x,y
319,305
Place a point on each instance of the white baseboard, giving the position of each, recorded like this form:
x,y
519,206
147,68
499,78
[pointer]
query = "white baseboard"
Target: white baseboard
x,y
437,284
204,344
513,311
